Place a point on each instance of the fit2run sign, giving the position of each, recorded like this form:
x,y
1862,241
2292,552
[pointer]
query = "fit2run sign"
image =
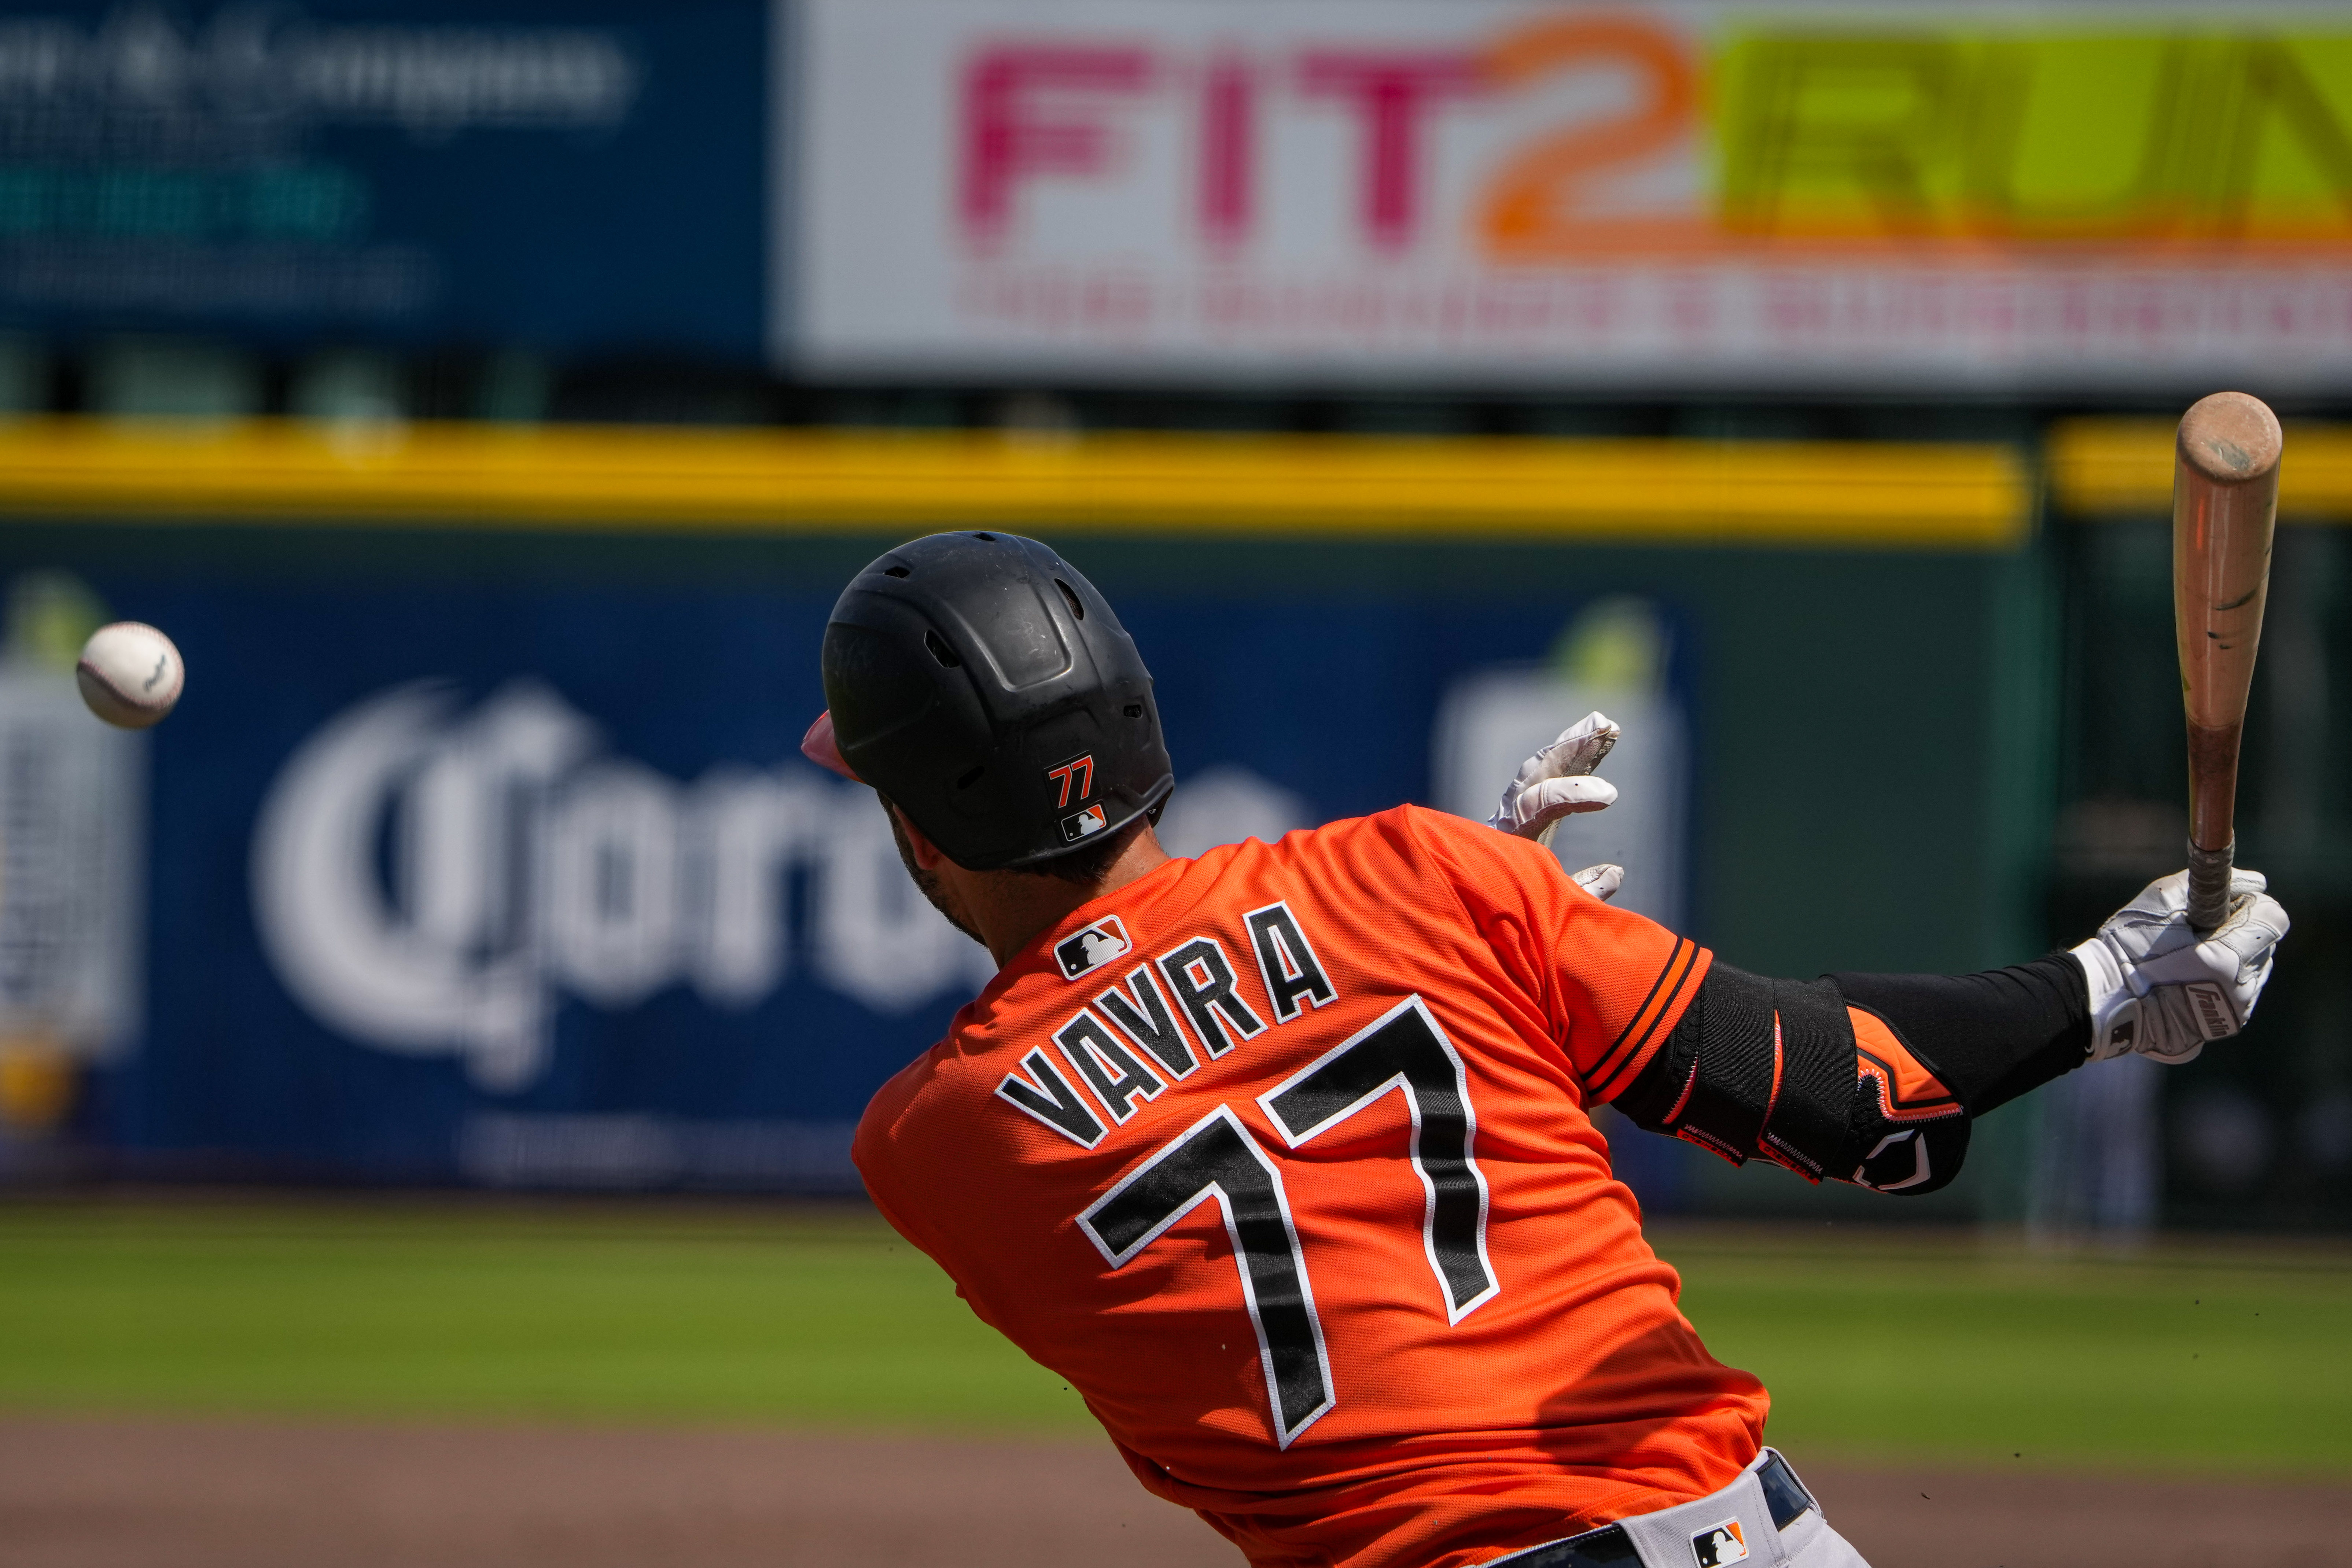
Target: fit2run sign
x,y
1668,195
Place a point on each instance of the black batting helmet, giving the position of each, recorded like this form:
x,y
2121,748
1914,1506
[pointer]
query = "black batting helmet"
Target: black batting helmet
x,y
982,683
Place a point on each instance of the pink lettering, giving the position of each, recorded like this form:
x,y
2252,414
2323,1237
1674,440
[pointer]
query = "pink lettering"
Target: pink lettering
x,y
1228,148
1014,131
1391,94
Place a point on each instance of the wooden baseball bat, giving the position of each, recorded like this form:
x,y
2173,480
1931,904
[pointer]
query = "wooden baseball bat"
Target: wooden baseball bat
x,y
2224,508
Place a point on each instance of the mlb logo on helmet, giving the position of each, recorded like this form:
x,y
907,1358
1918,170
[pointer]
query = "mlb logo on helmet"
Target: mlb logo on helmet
x,y
1084,951
1720,1543
1077,772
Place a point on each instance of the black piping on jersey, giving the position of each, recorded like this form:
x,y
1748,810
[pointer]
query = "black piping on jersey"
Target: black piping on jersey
x,y
1985,1037
1755,1067
1771,1069
1635,1037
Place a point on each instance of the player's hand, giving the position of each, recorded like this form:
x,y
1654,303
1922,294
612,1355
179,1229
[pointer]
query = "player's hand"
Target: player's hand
x,y
2158,988
1557,781
1600,881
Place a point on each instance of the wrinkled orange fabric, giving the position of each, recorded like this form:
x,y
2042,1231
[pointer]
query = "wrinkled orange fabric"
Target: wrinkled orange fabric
x,y
1574,1394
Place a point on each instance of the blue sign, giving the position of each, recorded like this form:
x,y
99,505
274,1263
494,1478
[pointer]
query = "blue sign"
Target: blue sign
x,y
549,173
518,883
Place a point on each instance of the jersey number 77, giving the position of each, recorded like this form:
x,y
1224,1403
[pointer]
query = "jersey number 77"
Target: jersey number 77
x,y
1216,1157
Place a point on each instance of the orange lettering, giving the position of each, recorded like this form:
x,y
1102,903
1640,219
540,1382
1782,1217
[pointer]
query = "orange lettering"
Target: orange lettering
x,y
1532,207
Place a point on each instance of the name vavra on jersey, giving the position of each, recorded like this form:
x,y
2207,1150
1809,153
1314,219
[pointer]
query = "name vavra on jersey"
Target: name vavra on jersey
x,y
1152,1027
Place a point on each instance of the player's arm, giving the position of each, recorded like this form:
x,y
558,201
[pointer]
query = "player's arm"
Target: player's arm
x,y
1874,1079
1745,1065
1828,1077
1758,1067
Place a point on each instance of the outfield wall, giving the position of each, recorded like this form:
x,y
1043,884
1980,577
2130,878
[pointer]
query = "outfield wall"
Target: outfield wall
x,y
481,848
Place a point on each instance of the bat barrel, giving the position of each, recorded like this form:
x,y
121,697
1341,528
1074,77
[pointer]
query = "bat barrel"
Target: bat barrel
x,y
2224,508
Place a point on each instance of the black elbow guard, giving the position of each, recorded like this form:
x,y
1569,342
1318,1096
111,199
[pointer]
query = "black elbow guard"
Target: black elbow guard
x,y
1770,1067
1907,1159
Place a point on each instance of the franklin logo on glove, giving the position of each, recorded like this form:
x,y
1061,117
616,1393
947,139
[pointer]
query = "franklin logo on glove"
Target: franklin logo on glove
x,y
2160,988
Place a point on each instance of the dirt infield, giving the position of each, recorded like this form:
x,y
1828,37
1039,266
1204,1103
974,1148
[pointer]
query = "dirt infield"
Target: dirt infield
x,y
91,1493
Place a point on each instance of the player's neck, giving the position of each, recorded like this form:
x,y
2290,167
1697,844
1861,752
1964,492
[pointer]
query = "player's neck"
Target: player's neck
x,y
1011,908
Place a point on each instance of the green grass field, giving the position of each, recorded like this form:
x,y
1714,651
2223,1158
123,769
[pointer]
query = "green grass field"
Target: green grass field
x,y
1876,1345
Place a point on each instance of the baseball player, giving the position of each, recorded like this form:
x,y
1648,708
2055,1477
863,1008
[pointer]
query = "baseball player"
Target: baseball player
x,y
1284,1158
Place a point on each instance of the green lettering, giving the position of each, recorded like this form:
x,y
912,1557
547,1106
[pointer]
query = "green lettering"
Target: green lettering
x,y
2273,89
2030,116
1838,121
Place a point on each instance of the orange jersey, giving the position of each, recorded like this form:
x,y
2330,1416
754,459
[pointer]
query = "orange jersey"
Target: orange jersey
x,y
1283,1159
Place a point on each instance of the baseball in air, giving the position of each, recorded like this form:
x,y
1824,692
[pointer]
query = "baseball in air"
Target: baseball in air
x,y
130,674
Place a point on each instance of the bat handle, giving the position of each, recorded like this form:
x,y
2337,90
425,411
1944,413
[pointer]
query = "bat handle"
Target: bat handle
x,y
2208,885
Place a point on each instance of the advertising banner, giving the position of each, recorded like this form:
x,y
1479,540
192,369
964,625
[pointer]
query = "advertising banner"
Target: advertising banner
x,y
1573,195
550,174
528,885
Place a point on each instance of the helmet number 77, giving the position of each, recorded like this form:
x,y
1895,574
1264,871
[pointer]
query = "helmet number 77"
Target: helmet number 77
x,y
1082,770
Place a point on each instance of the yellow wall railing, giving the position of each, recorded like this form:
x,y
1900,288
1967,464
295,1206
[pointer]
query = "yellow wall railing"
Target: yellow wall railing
x,y
2105,468
1851,495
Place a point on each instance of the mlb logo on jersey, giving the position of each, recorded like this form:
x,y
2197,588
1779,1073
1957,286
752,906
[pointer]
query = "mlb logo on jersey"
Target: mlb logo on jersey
x,y
1720,1543
1083,952
1082,824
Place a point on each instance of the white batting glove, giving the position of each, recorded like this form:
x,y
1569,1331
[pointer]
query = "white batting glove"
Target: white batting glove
x,y
1557,781
2158,988
1600,881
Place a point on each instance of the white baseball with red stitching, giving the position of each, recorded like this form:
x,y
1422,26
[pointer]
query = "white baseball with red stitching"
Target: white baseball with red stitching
x,y
130,674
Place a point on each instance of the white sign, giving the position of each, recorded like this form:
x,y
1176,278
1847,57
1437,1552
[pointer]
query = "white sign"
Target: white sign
x,y
1493,720
529,866
73,845
1566,194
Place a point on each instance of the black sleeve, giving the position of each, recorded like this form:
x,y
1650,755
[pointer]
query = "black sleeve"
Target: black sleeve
x,y
1771,1069
1991,1037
